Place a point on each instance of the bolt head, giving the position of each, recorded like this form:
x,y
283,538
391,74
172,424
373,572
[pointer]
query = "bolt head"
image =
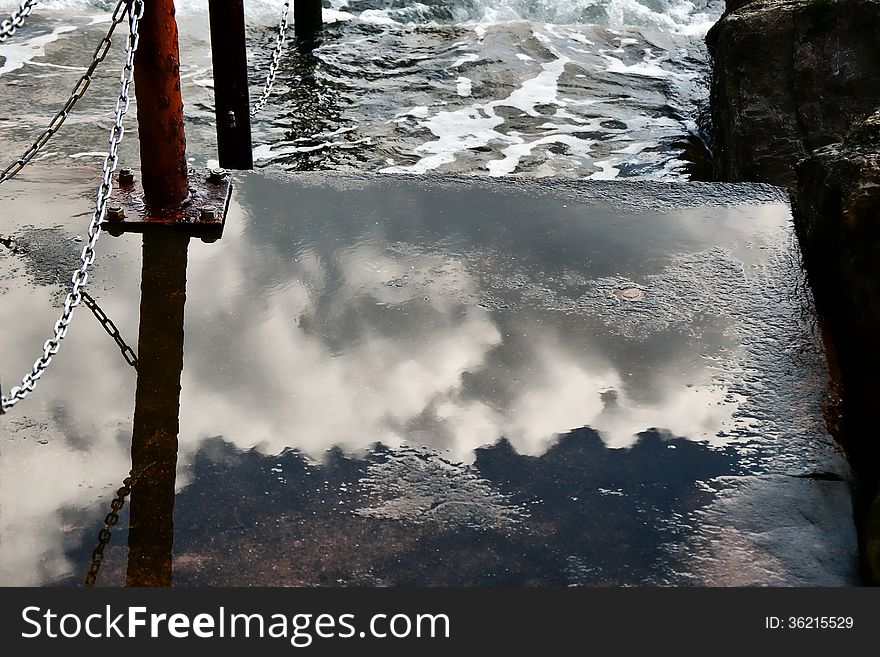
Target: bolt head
x,y
115,213
207,213
216,175
126,176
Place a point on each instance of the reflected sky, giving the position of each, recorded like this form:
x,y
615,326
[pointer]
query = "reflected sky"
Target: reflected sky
x,y
420,317
435,317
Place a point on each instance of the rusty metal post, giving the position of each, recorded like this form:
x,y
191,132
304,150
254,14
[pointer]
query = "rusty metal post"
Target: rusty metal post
x,y
157,409
160,107
307,19
231,100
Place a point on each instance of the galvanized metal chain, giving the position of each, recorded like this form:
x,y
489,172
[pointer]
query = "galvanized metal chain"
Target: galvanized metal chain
x,y
79,91
108,325
16,19
80,278
276,60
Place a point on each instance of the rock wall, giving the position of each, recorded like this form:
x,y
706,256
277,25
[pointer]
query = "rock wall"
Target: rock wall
x,y
795,88
789,76
837,211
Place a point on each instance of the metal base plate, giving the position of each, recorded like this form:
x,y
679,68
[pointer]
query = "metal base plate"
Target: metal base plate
x,y
203,214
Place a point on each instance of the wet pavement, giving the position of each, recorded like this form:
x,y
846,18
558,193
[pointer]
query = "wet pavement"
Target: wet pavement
x,y
393,380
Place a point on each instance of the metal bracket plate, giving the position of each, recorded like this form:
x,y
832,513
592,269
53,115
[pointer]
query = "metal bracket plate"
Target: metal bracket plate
x,y
203,214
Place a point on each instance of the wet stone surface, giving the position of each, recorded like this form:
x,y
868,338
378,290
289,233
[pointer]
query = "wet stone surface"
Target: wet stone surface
x,y
392,380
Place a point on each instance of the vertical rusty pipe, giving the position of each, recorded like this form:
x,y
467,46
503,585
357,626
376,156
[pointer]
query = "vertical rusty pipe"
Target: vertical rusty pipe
x,y
229,56
160,107
307,18
157,409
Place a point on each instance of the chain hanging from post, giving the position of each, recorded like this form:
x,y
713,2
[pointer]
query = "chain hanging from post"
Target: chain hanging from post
x,y
111,329
80,278
110,521
79,91
16,19
276,60
103,319
106,531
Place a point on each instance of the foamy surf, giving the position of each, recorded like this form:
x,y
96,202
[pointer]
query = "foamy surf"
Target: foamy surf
x,y
679,16
19,52
578,88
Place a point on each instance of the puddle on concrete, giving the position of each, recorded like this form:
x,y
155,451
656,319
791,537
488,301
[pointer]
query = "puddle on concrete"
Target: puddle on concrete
x,y
453,381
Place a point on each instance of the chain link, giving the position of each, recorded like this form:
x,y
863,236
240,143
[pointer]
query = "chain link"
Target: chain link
x,y
79,91
276,60
127,352
111,329
106,531
110,521
80,278
16,19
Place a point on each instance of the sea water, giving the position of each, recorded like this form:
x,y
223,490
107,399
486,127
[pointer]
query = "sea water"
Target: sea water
x,y
587,89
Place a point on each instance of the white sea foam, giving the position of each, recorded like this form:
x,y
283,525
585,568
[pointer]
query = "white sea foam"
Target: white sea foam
x,y
482,124
476,126
465,59
17,53
254,8
678,16
607,171
541,97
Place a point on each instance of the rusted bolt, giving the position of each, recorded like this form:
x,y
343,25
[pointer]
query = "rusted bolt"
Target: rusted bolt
x,y
216,176
630,294
207,214
115,213
126,176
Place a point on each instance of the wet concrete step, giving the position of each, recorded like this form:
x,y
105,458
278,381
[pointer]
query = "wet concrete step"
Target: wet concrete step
x,y
450,381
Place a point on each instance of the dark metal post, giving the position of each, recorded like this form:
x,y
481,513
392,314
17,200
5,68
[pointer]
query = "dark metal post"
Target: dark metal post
x,y
229,56
307,19
157,409
160,107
